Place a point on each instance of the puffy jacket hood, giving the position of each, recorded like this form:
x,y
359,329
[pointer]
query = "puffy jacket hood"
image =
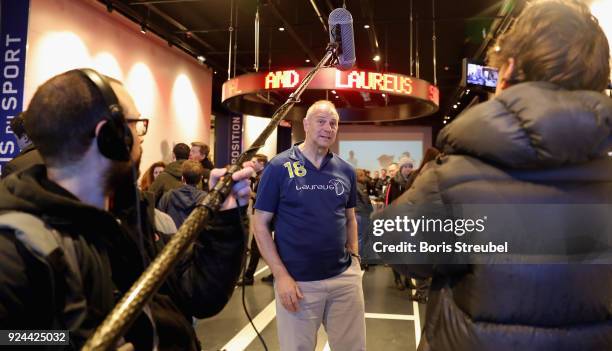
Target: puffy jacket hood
x,y
533,125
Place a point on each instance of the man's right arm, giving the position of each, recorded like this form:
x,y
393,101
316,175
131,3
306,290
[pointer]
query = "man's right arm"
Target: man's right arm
x,y
263,236
286,287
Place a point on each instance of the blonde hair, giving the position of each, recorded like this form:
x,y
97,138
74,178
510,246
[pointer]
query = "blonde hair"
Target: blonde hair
x,y
557,41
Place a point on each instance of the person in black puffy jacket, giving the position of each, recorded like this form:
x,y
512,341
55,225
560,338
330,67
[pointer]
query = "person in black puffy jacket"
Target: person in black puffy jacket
x,y
543,139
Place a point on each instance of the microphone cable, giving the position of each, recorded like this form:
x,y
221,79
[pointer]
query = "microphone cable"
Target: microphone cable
x,y
246,312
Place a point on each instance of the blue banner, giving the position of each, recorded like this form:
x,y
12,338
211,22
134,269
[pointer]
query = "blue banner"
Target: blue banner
x,y
228,139
13,38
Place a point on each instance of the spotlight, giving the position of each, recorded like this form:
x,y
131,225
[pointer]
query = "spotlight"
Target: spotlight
x,y
307,60
201,58
333,92
143,28
455,106
282,29
384,95
376,58
366,26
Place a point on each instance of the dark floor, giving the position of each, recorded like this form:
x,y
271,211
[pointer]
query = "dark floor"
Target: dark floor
x,y
390,321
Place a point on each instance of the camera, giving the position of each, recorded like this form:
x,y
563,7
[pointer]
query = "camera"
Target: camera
x,y
476,75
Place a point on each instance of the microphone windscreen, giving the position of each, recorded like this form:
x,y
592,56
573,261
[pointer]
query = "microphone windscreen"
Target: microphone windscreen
x,y
341,32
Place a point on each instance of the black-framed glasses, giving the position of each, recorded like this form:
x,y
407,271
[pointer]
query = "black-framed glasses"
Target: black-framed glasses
x,y
142,125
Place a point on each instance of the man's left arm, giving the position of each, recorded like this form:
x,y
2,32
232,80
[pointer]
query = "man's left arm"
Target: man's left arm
x,y
352,244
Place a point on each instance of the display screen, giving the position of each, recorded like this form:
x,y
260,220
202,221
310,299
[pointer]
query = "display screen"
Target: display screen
x,y
480,75
374,155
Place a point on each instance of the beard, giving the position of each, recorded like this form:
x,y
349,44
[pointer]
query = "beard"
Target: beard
x,y
120,182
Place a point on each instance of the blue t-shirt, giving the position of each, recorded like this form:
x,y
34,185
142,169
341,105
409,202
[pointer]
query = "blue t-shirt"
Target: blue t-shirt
x,y
310,212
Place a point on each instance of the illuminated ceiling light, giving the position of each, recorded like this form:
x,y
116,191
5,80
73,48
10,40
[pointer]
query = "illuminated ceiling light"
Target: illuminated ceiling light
x,y
143,28
282,29
201,58
458,103
366,26
384,95
446,68
455,106
444,122
333,91
376,58
215,72
467,91
307,60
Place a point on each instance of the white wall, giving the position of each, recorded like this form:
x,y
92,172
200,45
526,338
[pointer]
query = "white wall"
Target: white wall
x,y
169,87
252,127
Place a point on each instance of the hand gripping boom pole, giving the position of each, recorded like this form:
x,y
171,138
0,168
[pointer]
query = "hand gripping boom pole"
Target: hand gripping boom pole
x,y
125,312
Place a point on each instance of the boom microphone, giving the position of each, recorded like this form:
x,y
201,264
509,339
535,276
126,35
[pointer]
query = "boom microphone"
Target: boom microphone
x,y
341,32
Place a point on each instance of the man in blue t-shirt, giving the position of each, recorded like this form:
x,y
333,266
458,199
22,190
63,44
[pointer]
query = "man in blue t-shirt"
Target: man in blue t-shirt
x,y
309,194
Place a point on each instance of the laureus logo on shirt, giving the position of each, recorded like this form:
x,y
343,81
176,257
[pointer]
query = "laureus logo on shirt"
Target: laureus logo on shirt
x,y
334,184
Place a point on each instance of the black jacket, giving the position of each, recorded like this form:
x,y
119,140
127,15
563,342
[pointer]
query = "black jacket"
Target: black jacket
x,y
533,144
33,292
29,156
397,186
364,205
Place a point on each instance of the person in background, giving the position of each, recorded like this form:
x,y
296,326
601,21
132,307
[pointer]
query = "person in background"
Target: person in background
x,y
374,184
421,286
398,183
171,177
399,176
28,155
151,174
260,161
352,160
392,170
178,203
199,152
542,141
363,210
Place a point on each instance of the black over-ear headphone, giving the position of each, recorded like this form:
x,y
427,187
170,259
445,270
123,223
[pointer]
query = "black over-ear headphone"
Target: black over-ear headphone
x,y
114,139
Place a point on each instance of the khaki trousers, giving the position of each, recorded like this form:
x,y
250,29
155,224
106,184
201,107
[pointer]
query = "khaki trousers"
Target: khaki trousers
x,y
336,302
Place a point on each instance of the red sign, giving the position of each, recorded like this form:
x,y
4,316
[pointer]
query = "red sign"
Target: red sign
x,y
333,79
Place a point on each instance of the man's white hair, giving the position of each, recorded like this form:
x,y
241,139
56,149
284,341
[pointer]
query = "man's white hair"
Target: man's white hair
x,y
322,104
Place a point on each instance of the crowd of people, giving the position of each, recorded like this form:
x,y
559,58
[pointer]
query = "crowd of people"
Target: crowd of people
x,y
76,231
